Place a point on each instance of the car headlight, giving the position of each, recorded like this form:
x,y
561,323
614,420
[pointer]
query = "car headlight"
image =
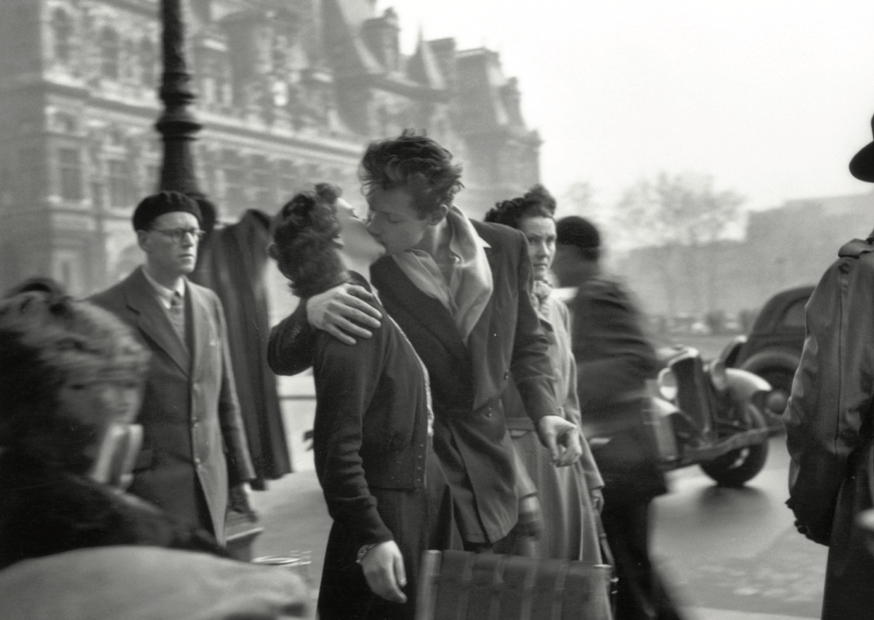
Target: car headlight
x,y
718,375
667,382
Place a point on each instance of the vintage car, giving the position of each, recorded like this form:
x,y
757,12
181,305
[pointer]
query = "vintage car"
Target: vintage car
x,y
773,346
715,417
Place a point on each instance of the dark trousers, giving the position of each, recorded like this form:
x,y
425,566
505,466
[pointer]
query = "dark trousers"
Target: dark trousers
x,y
641,594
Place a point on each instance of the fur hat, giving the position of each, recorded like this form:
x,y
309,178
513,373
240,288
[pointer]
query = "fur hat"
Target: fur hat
x,y
156,205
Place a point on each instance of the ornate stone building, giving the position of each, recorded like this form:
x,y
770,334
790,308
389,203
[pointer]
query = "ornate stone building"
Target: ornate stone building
x,y
289,92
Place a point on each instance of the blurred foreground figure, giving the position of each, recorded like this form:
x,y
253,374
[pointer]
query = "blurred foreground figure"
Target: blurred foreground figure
x,y
194,446
614,360
370,437
73,544
829,420
571,497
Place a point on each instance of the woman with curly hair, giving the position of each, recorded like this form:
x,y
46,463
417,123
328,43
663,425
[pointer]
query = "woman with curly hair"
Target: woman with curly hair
x,y
371,431
570,498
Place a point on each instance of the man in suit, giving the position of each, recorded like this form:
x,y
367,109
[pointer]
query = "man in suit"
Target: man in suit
x,y
614,360
194,447
459,290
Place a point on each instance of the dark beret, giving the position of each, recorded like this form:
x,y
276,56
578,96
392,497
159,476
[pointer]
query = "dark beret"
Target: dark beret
x,y
578,231
156,205
862,164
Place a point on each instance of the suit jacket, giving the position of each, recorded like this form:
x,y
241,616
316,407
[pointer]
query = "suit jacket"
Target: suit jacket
x,y
190,415
614,360
829,425
467,379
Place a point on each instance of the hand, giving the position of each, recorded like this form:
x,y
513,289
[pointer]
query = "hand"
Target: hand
x,y
597,497
530,521
383,568
345,312
562,438
238,500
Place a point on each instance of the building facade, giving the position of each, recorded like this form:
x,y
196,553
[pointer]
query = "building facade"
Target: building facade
x,y
288,91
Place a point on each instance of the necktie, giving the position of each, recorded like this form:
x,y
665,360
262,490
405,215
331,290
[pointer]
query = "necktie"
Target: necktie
x,y
177,315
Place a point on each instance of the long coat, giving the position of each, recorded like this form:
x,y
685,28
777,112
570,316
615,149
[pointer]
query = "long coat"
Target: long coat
x,y
829,428
190,415
233,262
467,379
614,360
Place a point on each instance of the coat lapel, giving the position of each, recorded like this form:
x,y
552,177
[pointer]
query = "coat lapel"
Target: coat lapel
x,y
152,320
200,328
432,314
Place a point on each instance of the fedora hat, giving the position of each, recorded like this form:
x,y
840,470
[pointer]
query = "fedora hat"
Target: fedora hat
x,y
862,164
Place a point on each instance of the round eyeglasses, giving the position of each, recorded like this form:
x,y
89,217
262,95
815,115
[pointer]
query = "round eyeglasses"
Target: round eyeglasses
x,y
178,234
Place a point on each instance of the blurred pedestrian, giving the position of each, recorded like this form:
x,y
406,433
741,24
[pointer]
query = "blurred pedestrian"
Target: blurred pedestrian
x,y
194,446
614,360
570,498
459,290
70,384
73,543
829,420
370,438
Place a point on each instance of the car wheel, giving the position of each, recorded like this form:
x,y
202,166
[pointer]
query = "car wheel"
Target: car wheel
x,y
735,468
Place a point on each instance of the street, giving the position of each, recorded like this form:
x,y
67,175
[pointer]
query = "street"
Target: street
x,y
736,549
729,554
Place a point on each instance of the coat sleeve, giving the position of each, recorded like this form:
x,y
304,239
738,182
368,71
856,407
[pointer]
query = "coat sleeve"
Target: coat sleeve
x,y
614,356
530,359
346,378
240,467
571,407
831,393
290,346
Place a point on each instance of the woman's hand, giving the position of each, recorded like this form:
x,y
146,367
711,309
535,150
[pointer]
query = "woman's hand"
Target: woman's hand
x,y
383,568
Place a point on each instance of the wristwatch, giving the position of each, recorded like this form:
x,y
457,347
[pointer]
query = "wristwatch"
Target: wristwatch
x,y
362,551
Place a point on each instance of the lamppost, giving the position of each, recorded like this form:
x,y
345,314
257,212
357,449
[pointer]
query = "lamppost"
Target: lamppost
x,y
177,125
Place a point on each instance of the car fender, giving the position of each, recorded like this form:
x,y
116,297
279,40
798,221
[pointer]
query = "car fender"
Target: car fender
x,y
775,358
743,384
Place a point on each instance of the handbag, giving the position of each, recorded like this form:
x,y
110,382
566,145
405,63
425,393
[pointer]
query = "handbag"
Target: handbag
x,y
461,585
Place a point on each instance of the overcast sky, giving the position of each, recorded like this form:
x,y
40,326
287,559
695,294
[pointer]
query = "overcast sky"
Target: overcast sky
x,y
771,97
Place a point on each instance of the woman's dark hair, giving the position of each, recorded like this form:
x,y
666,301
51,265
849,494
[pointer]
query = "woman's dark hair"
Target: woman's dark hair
x,y
415,163
305,233
536,202
48,342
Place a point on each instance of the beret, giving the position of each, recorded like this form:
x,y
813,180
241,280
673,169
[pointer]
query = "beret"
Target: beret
x,y
156,205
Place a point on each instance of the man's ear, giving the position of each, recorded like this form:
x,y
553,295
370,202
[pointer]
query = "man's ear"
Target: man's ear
x,y
438,215
142,240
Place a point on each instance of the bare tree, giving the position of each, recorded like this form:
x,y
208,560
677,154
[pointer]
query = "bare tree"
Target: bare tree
x,y
675,215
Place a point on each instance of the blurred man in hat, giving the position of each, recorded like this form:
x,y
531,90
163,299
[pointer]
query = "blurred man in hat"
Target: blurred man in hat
x,y
614,360
829,420
194,446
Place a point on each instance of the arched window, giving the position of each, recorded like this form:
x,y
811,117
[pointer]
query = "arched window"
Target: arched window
x,y
62,31
110,52
147,63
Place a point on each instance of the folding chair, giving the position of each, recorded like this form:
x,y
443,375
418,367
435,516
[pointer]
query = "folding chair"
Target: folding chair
x,y
459,585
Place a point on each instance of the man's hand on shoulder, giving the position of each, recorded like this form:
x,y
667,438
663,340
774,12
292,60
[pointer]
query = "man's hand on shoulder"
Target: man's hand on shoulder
x,y
345,311
562,439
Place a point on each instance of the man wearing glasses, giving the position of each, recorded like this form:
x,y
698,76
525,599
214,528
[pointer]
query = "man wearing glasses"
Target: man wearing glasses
x,y
194,445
